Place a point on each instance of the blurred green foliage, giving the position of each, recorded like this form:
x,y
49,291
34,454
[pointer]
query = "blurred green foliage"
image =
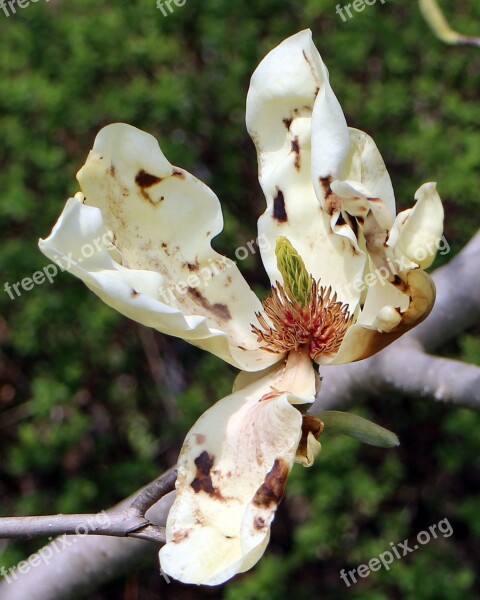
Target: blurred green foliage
x,y
83,420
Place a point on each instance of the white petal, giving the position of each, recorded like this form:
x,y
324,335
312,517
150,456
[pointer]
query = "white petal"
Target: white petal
x,y
232,473
331,145
366,166
161,221
280,101
419,231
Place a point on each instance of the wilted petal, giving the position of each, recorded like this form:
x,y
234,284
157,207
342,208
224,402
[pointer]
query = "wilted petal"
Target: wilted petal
x,y
280,101
232,472
309,446
370,335
161,221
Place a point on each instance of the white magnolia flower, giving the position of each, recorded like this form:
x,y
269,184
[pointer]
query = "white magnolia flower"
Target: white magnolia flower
x,y
347,279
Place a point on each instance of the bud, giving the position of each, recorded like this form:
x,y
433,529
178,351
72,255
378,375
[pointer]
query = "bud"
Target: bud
x,y
357,427
297,282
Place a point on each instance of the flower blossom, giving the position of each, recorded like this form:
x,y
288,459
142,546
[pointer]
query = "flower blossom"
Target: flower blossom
x,y
347,278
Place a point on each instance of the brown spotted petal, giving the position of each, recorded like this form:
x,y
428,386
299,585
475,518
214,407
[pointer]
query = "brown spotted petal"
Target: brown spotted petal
x,y
232,472
365,175
284,89
158,267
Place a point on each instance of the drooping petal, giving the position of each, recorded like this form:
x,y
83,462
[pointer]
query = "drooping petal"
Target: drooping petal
x,y
280,102
232,472
160,222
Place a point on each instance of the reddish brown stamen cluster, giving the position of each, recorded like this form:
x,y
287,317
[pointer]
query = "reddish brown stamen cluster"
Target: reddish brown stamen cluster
x,y
286,325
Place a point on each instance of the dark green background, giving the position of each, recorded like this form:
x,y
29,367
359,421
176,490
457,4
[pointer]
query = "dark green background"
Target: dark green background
x,y
83,421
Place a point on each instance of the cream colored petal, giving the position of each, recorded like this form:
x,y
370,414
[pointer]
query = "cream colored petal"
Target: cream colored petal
x,y
162,220
418,232
81,243
279,118
363,339
331,144
232,472
367,167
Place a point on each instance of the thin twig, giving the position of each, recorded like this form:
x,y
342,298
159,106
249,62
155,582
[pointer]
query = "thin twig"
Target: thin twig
x,y
154,491
127,523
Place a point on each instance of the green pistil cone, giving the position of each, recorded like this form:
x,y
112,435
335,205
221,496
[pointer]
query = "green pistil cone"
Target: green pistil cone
x,y
297,282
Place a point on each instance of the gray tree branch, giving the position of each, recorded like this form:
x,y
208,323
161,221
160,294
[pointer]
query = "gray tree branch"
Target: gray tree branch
x,y
73,566
130,522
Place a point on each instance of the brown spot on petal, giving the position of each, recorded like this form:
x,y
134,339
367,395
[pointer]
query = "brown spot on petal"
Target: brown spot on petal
x,y
146,180
203,480
270,493
259,523
179,536
325,183
113,170
218,309
287,123
332,201
296,150
134,293
312,70
279,212
199,438
179,174
191,266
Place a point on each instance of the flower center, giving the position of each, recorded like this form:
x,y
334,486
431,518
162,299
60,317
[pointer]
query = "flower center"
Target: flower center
x,y
301,314
288,325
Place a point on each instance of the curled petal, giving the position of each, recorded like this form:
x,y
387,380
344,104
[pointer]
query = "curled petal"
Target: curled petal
x,y
232,472
283,91
309,447
158,267
358,200
417,232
